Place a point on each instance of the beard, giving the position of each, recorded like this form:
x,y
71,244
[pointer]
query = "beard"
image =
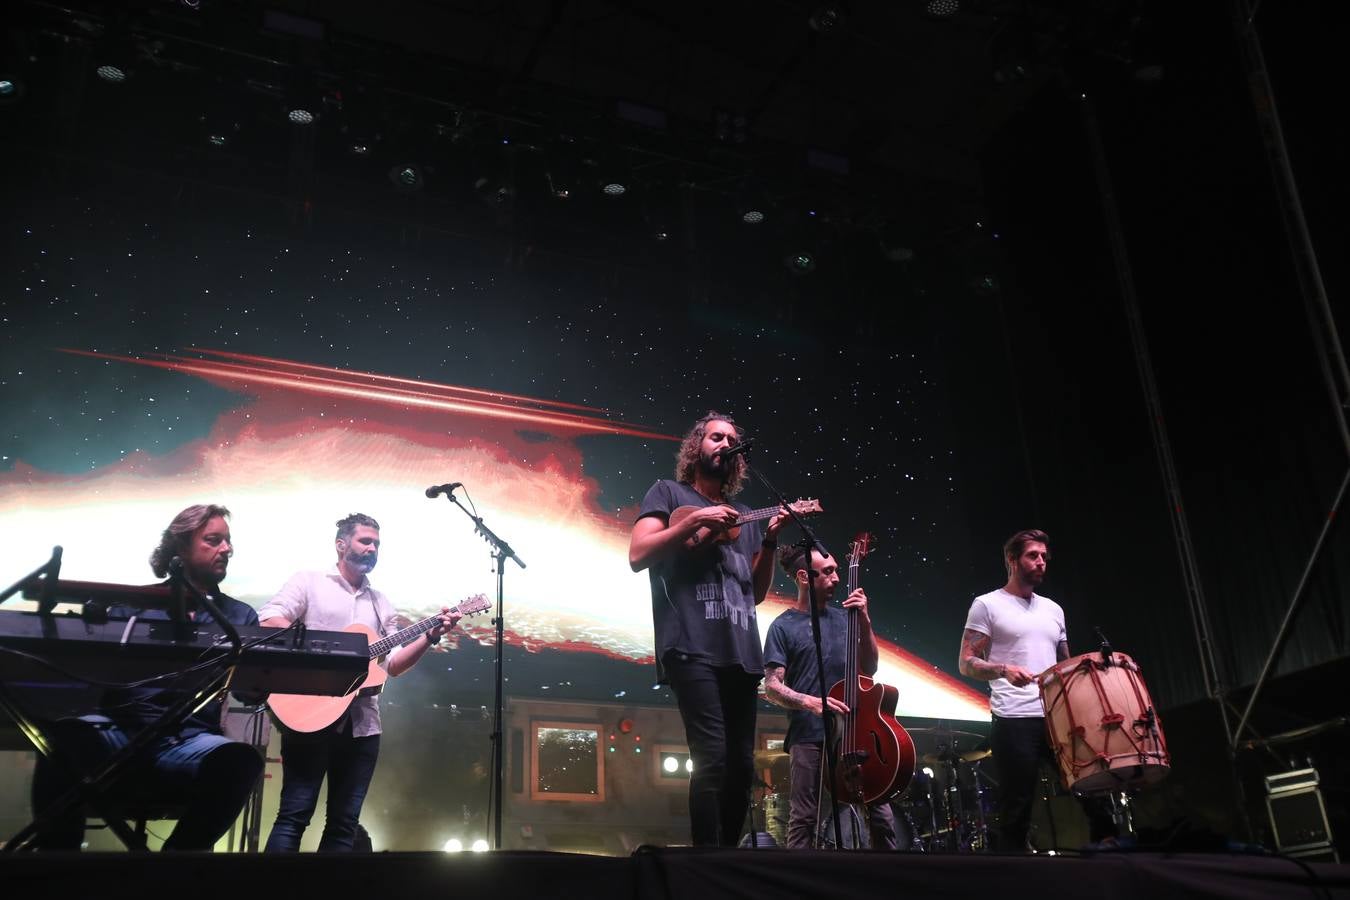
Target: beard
x,y
713,465
362,562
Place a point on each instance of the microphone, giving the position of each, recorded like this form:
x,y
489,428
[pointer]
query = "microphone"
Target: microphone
x,y
742,447
437,489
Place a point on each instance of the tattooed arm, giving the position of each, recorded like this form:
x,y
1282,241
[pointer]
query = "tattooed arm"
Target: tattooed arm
x,y
974,660
779,694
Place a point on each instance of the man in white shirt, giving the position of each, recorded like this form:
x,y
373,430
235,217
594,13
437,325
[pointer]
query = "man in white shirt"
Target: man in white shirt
x,y
346,751
1011,636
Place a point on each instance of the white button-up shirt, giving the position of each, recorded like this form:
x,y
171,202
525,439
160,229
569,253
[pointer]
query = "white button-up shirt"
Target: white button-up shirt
x,y
326,601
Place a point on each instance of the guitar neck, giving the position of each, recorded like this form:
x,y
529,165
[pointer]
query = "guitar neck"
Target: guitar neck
x,y
399,638
755,515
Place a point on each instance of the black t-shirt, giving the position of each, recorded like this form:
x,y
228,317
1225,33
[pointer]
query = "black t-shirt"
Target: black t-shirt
x,y
703,601
789,644
136,708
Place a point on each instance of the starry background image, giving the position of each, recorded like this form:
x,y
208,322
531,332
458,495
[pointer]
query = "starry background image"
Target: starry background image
x,y
844,407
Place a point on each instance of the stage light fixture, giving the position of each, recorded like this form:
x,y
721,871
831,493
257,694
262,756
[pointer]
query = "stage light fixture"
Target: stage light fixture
x,y
300,116
111,74
826,18
615,189
941,10
670,764
407,178
11,91
803,262
480,846
453,846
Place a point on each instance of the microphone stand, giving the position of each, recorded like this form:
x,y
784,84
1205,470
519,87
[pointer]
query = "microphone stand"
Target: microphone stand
x,y
501,551
808,543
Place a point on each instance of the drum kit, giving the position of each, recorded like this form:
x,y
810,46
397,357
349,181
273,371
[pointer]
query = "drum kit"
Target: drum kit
x,y
1103,730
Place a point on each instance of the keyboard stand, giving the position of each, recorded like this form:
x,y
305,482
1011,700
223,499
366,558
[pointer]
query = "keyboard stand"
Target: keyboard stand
x,y
90,788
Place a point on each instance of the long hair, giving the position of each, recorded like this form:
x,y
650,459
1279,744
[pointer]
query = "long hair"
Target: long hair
x,y
687,458
174,541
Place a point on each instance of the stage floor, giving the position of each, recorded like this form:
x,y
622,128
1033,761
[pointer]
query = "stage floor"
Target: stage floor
x,y
675,873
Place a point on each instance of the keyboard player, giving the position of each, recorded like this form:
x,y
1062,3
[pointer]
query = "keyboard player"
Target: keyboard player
x,y
195,768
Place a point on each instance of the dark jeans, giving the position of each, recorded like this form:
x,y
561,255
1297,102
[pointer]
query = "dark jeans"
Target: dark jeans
x,y
205,778
804,807
718,705
1020,748
306,758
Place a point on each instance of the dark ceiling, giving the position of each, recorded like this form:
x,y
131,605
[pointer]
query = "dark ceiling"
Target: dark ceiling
x,y
873,113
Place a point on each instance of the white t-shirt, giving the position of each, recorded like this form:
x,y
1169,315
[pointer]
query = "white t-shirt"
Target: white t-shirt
x,y
1024,633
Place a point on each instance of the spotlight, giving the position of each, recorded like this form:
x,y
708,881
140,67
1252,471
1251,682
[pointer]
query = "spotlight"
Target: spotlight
x,y
752,217
941,10
11,90
111,74
480,846
689,765
301,116
359,148
453,846
826,18
615,189
800,263
670,764
407,178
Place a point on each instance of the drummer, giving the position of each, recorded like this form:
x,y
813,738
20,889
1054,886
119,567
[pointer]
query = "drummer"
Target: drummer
x,y
1011,635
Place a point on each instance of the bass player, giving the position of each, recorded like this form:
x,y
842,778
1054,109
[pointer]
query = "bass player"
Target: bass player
x,y
792,681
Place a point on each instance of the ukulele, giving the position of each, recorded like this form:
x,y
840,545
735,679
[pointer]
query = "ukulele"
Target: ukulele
x,y
705,535
875,754
305,712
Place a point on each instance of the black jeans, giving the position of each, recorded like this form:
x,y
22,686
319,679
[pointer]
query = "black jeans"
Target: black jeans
x,y
306,758
718,705
1020,748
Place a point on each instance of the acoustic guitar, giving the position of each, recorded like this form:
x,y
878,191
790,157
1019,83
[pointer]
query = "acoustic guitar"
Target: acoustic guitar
x,y
304,712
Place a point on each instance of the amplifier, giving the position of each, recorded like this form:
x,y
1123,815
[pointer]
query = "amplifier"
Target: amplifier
x,y
1298,817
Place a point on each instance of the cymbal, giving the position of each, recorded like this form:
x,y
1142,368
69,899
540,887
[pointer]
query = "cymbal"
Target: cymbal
x,y
944,732
767,758
937,759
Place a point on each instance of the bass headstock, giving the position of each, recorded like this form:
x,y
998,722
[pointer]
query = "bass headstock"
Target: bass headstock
x,y
859,547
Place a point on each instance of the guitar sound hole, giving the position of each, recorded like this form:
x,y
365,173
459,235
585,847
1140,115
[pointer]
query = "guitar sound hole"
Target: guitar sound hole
x,y
876,741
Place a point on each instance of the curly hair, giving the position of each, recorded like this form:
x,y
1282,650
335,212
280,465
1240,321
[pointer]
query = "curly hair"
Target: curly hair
x,y
347,527
174,540
687,458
